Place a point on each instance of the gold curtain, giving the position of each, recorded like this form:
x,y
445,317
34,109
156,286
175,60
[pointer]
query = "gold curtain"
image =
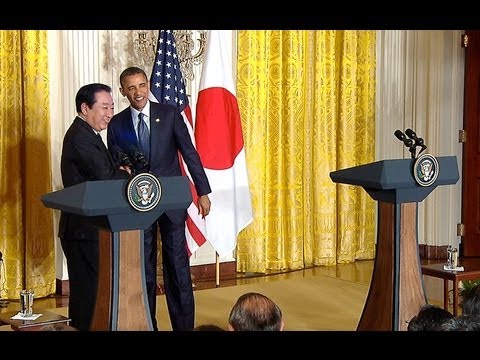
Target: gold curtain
x,y
307,102
26,229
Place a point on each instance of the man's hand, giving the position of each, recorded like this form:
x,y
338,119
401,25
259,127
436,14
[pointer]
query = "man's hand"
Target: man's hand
x,y
126,168
203,205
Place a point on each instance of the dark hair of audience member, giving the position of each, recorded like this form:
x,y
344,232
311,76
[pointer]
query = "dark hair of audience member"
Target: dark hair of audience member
x,y
429,318
471,301
462,323
208,327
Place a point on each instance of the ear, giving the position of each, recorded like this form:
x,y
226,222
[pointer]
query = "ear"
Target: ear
x,y
230,328
282,326
84,108
121,91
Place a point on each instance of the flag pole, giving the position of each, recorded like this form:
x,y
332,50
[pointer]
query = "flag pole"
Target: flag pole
x,y
217,269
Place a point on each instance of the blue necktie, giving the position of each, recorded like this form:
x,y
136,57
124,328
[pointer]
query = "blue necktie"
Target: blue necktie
x,y
143,136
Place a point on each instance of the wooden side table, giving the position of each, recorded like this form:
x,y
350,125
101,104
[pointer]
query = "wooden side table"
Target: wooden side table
x,y
471,272
47,318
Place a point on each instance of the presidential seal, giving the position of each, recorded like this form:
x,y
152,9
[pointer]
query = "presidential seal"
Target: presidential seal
x,y
425,170
144,192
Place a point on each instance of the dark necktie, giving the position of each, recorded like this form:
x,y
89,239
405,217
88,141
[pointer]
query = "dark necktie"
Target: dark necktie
x,y
143,136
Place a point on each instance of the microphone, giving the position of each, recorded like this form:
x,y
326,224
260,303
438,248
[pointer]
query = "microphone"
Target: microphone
x,y
1,257
122,157
140,163
406,141
418,141
401,136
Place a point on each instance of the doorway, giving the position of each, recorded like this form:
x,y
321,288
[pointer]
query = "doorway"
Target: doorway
x,y
471,148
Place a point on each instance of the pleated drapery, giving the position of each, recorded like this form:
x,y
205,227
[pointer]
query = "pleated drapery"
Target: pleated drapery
x,y
307,103
26,233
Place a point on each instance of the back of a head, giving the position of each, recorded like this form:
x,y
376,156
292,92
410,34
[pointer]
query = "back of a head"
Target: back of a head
x,y
429,318
471,301
255,312
462,323
208,327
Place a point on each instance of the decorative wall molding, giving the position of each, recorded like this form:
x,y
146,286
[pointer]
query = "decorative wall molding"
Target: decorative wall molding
x,y
125,48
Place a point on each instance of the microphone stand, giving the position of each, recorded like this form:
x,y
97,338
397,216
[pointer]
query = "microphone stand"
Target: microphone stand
x,y
413,150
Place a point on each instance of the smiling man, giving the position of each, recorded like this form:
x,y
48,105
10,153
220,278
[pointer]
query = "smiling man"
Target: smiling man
x,y
85,158
132,130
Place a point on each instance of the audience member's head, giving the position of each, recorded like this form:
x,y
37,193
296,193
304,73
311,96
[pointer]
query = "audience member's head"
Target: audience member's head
x,y
255,312
208,327
471,301
429,318
462,323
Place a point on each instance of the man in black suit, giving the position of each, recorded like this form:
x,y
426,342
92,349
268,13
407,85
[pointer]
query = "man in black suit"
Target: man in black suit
x,y
85,158
167,135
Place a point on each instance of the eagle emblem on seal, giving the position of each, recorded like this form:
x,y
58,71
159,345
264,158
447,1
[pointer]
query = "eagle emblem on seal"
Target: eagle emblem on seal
x,y
144,192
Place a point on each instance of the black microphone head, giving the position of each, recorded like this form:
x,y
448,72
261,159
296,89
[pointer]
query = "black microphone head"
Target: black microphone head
x,y
140,162
411,134
121,156
399,134
124,159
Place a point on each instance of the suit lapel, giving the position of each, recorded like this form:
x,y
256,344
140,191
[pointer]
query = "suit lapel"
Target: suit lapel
x,y
98,138
105,150
155,121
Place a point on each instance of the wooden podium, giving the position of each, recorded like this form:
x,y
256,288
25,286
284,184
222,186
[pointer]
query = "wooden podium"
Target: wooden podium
x,y
122,302
396,291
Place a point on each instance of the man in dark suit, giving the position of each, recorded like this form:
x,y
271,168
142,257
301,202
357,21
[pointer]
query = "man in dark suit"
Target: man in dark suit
x,y
85,158
167,134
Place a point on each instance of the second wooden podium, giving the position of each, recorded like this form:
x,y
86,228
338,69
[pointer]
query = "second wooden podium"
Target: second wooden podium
x,y
396,291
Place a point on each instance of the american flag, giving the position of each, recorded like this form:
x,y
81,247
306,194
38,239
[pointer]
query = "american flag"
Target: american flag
x,y
168,87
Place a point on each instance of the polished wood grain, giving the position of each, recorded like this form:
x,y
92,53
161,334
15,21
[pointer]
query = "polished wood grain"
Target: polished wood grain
x,y
133,311
378,310
396,292
411,294
103,310
47,318
122,303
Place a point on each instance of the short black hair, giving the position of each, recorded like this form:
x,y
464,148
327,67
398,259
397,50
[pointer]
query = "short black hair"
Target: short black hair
x,y
429,318
471,301
462,323
132,70
86,94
